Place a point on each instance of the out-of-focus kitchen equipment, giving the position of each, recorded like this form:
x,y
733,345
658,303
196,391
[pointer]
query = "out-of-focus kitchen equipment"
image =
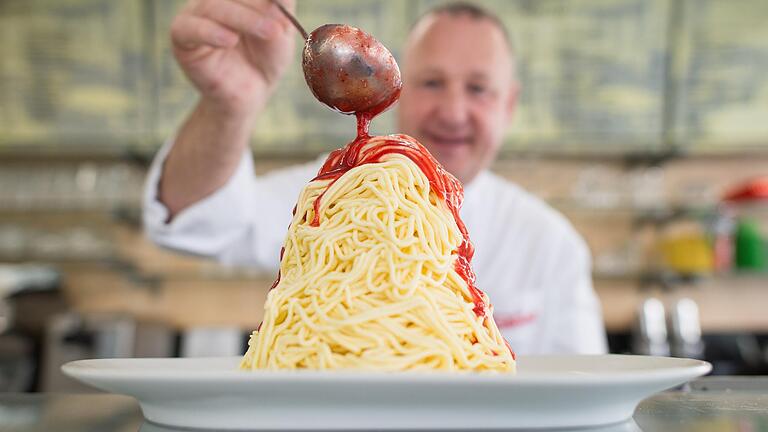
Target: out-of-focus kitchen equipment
x,y
72,336
749,202
685,329
750,253
684,248
75,336
650,332
18,363
751,190
17,366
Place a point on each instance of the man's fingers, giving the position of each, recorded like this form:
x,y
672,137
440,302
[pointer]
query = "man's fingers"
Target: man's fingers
x,y
237,17
189,32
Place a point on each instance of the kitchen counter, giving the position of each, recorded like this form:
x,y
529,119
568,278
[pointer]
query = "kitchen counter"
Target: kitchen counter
x,y
710,403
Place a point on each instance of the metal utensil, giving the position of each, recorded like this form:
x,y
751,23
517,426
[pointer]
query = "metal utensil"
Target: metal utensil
x,y
347,69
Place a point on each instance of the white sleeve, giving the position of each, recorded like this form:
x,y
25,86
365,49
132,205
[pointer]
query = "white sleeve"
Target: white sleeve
x,y
244,222
578,323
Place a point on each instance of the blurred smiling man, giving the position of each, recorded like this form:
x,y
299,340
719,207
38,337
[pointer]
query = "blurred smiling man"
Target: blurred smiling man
x,y
459,89
459,94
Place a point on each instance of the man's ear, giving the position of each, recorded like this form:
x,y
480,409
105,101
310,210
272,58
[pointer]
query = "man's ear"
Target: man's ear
x,y
511,103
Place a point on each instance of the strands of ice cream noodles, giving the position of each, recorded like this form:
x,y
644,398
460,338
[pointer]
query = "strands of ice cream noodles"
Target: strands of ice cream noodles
x,y
375,272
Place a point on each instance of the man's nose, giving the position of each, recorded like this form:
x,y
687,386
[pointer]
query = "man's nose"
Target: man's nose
x,y
453,109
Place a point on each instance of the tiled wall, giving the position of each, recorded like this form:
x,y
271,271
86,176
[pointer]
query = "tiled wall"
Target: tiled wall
x,y
598,75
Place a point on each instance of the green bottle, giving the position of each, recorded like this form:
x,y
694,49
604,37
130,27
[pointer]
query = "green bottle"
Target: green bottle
x,y
750,246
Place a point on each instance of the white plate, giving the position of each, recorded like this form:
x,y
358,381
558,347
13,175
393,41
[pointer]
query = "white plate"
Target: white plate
x,y
547,392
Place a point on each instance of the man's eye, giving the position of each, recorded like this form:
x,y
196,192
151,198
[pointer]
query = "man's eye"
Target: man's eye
x,y
477,89
431,83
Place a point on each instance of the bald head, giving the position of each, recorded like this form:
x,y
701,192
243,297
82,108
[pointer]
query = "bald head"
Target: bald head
x,y
459,8
463,10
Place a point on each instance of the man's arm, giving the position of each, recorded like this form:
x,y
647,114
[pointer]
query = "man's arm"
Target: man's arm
x,y
234,53
205,154
236,224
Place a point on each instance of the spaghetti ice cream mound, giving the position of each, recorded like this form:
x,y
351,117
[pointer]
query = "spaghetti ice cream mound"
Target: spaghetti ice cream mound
x,y
375,272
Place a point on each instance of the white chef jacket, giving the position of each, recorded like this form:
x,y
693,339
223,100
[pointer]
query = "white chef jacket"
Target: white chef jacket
x,y
530,261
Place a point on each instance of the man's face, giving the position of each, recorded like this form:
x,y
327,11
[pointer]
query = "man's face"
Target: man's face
x,y
458,91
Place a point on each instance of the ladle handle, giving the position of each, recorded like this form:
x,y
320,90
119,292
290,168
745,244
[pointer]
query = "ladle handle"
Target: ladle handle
x,y
291,18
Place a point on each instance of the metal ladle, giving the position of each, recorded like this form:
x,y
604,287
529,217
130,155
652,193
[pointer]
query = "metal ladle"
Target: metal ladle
x,y
347,69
